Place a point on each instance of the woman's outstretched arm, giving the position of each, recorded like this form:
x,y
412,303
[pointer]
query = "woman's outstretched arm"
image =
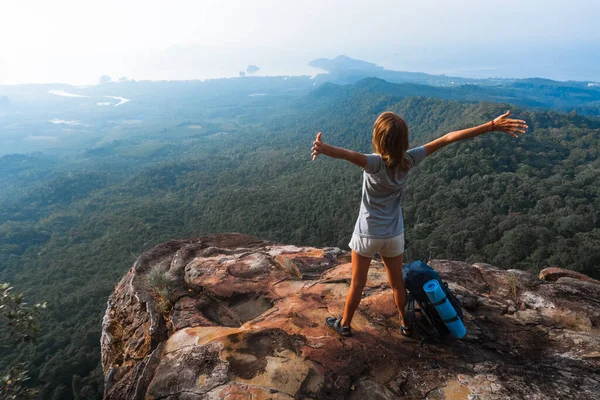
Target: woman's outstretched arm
x,y
513,127
320,147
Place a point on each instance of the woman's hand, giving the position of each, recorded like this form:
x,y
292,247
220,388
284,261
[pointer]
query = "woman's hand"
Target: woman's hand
x,y
319,147
514,127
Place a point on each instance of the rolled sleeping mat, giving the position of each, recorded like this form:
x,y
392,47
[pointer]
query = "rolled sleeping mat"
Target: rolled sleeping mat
x,y
438,299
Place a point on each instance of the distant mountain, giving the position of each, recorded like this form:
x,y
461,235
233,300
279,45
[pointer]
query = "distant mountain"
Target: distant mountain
x,y
532,92
343,63
104,79
252,69
343,69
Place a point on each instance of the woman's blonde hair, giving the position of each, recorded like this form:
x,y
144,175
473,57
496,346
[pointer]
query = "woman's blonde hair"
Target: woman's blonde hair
x,y
390,139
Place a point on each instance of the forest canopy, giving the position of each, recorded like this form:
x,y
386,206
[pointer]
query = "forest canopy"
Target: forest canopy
x,y
70,226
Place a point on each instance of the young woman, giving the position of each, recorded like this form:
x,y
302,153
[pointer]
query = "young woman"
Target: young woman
x,y
379,227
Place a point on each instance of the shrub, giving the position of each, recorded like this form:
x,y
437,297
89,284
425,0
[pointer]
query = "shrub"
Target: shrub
x,y
159,286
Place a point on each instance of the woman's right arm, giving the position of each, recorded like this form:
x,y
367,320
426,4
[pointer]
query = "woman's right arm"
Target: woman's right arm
x,y
513,127
320,147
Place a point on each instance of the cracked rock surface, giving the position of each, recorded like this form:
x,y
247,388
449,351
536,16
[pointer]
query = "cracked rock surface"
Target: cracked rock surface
x,y
243,318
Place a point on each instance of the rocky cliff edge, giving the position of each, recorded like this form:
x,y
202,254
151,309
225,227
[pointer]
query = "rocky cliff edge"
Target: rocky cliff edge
x,y
234,317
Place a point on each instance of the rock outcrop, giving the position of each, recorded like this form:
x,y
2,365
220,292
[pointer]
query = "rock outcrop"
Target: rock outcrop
x,y
243,318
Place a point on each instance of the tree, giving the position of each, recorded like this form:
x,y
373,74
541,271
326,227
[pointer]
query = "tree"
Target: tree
x,y
22,323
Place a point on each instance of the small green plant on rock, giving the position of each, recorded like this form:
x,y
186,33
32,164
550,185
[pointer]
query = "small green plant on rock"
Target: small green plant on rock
x,y
513,285
159,286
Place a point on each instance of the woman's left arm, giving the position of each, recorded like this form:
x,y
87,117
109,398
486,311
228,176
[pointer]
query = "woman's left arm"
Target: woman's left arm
x,y
513,127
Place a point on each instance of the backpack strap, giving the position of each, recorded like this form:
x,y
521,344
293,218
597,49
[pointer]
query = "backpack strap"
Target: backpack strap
x,y
439,303
421,323
442,301
455,318
411,316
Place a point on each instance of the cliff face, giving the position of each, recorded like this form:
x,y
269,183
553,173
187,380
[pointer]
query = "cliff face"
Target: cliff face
x,y
244,318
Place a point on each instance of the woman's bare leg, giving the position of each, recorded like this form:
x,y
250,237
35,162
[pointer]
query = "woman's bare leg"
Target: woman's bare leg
x,y
393,267
360,269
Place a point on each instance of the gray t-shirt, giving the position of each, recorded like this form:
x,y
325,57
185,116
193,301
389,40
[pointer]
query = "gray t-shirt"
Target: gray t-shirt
x,y
380,213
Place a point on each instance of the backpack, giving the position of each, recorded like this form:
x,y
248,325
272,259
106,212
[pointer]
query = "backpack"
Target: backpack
x,y
421,314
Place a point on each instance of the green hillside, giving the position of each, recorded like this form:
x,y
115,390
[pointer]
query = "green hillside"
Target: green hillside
x,y
70,227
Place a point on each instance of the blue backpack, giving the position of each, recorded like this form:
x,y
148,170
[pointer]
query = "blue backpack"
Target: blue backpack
x,y
422,315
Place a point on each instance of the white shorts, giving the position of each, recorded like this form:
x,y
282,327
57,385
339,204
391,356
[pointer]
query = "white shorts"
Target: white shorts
x,y
368,247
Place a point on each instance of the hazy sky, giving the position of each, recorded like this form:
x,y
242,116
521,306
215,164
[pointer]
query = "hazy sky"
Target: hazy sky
x,y
77,41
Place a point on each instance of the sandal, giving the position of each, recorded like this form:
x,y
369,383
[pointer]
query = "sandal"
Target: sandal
x,y
336,325
405,331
